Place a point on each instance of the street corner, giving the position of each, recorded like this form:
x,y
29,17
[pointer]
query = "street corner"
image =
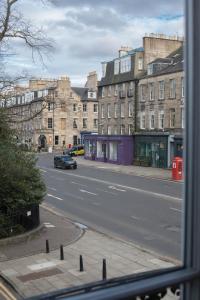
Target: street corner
x,y
54,230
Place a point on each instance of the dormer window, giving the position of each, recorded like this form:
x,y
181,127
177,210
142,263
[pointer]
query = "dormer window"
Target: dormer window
x,y
104,65
140,63
125,64
150,69
116,66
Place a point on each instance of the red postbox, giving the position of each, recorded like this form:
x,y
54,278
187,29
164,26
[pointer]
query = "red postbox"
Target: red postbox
x,y
177,168
69,146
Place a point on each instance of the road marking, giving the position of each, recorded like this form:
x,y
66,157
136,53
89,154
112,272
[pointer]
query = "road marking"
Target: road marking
x,y
115,188
48,225
176,209
135,218
73,182
43,171
158,195
49,195
84,191
53,189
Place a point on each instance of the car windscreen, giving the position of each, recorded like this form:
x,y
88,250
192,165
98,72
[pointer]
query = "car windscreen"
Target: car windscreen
x,y
67,158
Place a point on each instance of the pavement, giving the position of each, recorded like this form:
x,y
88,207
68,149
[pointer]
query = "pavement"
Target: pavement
x,y
33,272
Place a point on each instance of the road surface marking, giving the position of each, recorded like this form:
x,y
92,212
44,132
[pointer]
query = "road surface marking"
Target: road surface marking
x,y
115,188
48,225
135,218
53,189
73,182
43,170
158,195
49,195
84,191
176,209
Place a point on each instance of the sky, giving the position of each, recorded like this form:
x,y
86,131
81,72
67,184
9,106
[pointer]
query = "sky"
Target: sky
x,y
88,32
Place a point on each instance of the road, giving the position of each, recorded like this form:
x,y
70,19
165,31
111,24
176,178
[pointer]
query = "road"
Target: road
x,y
141,210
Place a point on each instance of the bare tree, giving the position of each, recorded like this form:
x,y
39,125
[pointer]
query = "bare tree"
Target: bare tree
x,y
14,26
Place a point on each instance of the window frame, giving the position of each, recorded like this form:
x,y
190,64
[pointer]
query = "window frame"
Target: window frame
x,y
189,273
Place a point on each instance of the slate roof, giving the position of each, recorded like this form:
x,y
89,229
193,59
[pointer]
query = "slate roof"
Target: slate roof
x,y
83,93
176,65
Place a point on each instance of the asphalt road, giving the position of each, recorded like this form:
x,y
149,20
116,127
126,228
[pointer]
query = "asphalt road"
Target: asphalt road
x,y
142,210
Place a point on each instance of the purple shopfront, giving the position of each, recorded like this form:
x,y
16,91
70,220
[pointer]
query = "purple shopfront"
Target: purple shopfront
x,y
117,149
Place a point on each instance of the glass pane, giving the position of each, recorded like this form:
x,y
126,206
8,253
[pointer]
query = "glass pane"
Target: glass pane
x,y
108,143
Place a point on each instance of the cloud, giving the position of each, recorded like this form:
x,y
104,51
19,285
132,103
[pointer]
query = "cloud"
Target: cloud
x,y
136,8
87,32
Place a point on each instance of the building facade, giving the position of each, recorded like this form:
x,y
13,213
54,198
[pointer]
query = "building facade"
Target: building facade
x,y
160,112
51,114
118,89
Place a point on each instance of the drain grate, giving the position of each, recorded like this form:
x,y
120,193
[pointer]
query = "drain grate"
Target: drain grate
x,y
38,275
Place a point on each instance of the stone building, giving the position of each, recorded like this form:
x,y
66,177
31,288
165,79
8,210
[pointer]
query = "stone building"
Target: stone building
x,y
160,112
53,114
118,91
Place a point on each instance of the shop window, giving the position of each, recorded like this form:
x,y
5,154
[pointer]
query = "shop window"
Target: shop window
x,y
113,151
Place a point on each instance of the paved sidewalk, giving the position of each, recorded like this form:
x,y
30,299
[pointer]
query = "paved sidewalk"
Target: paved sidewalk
x,y
41,273
131,170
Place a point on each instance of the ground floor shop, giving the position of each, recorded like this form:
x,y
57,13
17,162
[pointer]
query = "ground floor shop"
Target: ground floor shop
x,y
157,150
116,149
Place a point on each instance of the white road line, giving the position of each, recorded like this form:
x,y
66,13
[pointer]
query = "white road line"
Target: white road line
x,y
49,195
43,171
158,195
79,183
135,218
84,191
53,189
115,188
176,209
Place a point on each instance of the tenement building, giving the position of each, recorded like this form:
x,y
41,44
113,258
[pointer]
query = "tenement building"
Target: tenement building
x,y
51,114
160,112
118,98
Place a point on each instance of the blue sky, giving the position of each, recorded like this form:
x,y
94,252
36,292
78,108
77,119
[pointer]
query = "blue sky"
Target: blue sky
x,y
87,32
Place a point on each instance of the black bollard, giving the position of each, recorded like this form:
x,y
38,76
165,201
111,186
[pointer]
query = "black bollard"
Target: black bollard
x,y
81,264
47,246
61,253
104,272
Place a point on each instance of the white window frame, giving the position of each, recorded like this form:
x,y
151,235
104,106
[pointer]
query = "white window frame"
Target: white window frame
x,y
122,129
122,110
161,121
152,114
116,90
172,88
142,92
151,91
143,120
130,109
116,109
182,87
130,129
172,117
108,110
140,63
116,66
102,111
109,130
161,90
95,108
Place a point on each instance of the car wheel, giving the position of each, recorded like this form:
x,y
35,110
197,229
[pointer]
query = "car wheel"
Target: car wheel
x,y
74,167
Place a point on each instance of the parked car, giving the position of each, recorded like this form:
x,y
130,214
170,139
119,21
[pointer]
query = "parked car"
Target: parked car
x,y
64,162
75,151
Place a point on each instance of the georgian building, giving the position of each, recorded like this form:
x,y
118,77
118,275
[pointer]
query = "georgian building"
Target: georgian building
x,y
51,114
160,112
118,98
